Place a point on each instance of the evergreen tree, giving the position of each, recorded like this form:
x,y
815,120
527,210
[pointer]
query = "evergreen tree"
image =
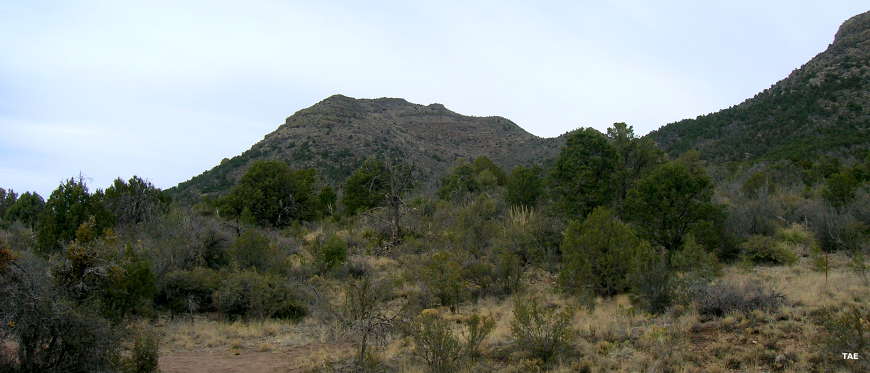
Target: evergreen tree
x,y
272,194
380,184
840,189
26,209
483,163
7,199
327,199
636,158
366,188
68,207
468,178
134,201
670,201
599,254
582,177
524,186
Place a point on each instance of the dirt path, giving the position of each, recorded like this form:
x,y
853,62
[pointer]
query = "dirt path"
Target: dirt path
x,y
293,360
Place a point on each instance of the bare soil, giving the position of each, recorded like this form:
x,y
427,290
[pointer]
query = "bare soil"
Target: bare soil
x,y
289,361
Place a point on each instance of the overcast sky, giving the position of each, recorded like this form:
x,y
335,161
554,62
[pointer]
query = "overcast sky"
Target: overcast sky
x,y
166,89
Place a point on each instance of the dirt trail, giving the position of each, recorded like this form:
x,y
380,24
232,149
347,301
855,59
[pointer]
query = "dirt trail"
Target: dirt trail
x,y
289,361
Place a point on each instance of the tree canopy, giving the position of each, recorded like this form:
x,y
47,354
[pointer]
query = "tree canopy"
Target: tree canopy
x,y
582,177
669,201
524,186
134,201
366,188
471,177
635,158
599,254
26,209
68,207
272,194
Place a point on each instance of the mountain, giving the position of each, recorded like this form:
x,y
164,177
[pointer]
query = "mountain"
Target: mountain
x,y
335,135
821,108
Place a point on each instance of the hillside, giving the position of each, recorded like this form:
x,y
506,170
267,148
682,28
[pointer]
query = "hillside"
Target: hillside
x,y
335,135
821,108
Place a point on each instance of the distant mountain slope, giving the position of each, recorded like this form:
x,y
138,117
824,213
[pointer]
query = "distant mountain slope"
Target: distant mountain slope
x,y
335,135
821,108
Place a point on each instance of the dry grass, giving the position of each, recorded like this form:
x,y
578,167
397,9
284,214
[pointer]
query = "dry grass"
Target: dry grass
x,y
613,336
805,286
265,335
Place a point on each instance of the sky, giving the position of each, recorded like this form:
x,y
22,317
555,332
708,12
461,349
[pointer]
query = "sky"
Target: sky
x,y
166,89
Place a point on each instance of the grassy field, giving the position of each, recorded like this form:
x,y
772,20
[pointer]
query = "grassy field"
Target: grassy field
x,y
613,336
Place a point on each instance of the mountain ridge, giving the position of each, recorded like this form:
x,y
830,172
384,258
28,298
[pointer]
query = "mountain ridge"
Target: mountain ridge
x,y
336,134
822,107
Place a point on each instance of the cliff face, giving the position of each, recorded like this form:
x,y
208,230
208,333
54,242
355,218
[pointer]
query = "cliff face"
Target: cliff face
x,y
821,108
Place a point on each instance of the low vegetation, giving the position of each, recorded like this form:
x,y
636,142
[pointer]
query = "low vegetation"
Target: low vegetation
x,y
613,258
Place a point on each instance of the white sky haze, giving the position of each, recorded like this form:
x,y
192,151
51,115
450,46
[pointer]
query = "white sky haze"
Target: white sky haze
x,y
166,89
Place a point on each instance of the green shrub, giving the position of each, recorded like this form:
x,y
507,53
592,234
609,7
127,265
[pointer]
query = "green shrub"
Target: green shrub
x,y
81,271
529,234
758,185
541,330
474,228
330,253
366,188
840,189
795,234
189,291
467,178
507,273
130,289
478,274
652,282
670,201
497,274
249,294
477,328
442,275
759,249
254,250
524,186
435,344
145,353
599,254
439,347
693,266
693,259
270,193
